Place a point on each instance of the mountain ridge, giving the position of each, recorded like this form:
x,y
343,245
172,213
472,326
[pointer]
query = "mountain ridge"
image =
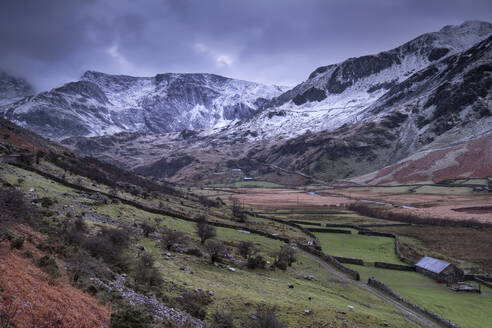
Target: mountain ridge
x,y
347,119
101,104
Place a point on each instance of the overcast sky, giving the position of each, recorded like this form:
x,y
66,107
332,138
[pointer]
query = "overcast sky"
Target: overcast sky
x,y
270,41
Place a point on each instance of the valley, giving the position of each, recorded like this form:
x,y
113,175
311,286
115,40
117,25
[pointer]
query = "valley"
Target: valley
x,y
196,200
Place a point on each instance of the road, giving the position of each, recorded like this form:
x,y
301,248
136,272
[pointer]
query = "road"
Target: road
x,y
413,315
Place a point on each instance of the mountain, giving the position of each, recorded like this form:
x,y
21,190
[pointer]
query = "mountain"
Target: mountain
x,y
432,104
13,88
100,104
337,94
346,120
446,103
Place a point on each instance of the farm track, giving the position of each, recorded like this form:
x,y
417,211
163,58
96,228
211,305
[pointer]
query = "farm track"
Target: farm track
x,y
413,315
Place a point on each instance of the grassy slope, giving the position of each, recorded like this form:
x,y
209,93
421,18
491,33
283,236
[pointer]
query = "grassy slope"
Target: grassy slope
x,y
466,310
238,291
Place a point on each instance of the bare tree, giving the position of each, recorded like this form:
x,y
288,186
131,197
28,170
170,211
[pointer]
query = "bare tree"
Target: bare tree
x,y
204,230
216,250
246,248
171,237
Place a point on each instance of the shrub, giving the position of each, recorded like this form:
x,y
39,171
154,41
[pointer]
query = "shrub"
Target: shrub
x,y
285,257
223,320
281,265
193,301
82,266
80,225
46,202
194,251
216,250
28,254
146,275
74,232
266,318
108,245
256,262
246,248
17,243
131,317
14,206
48,265
204,230
205,201
146,229
171,237
26,159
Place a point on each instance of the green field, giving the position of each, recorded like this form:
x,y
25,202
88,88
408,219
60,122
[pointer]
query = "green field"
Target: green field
x,y
464,309
367,248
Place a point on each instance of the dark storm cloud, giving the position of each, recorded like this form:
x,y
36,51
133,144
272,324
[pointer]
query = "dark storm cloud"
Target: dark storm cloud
x,y
271,41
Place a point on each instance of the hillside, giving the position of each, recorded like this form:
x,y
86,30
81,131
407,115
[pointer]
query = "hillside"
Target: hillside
x,y
111,237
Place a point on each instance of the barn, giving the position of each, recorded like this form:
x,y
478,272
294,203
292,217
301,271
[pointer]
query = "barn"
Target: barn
x,y
439,270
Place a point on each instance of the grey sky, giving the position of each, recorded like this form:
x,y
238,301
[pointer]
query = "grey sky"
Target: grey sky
x,y
270,41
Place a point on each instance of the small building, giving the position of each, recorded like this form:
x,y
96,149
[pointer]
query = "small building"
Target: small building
x,y
439,270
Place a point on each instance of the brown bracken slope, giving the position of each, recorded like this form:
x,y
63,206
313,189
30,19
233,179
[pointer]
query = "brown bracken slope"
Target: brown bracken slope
x,y
467,160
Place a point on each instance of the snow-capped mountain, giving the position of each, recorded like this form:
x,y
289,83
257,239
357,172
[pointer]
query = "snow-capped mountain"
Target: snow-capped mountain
x,y
13,89
101,104
345,120
337,94
445,103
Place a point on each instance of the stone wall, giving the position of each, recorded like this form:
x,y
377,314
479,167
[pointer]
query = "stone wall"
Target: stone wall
x,y
349,260
331,260
305,222
483,282
393,266
348,232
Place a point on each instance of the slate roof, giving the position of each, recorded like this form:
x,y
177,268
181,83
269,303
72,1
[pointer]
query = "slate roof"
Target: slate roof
x,y
432,264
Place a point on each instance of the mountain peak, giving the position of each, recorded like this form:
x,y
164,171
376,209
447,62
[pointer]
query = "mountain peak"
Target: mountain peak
x,y
469,26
